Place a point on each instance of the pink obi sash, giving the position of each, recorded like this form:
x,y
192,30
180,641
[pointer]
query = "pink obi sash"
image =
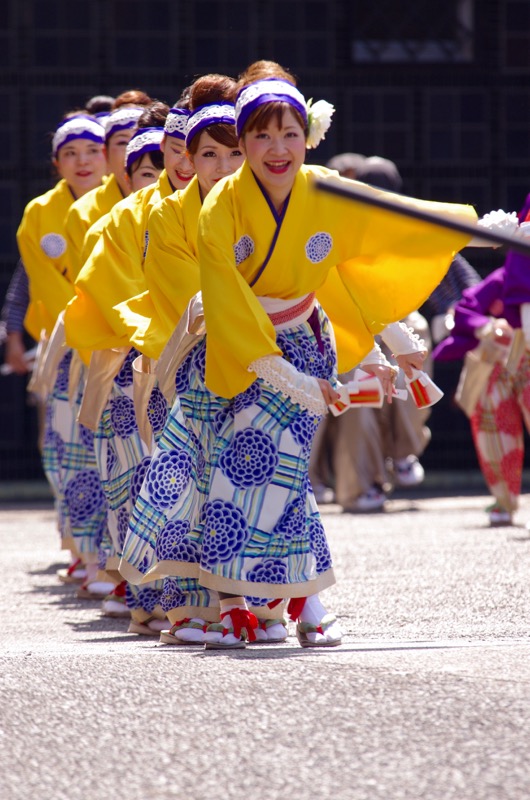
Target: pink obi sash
x,y
288,313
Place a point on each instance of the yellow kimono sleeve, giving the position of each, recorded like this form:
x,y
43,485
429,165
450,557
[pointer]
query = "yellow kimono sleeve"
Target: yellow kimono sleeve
x,y
402,260
171,275
353,337
238,329
50,289
83,214
75,230
112,273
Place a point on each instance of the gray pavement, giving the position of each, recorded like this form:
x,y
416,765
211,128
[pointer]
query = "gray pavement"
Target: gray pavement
x,y
428,697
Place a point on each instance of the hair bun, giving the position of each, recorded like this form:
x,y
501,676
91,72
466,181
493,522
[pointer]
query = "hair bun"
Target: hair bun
x,y
212,89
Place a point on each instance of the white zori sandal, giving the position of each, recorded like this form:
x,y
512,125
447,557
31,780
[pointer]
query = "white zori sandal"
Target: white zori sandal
x,y
325,632
185,631
237,626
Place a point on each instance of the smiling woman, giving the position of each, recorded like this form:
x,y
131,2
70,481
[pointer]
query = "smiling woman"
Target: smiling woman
x,y
258,383
78,156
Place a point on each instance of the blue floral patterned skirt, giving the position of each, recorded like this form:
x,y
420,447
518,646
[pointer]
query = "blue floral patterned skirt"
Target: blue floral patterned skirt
x,y
70,465
226,499
123,459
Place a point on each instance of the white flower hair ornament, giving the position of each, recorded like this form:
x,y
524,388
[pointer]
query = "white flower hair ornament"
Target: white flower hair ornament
x,y
318,121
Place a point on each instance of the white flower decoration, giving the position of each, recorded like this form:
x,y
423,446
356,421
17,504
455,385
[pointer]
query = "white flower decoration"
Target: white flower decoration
x,y
318,121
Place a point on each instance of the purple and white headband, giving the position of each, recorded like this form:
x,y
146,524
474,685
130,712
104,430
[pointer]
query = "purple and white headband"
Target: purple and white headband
x,y
270,90
145,140
121,120
317,116
176,123
209,114
78,127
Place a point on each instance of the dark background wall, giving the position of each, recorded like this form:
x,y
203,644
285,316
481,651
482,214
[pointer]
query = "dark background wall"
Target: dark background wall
x,y
439,86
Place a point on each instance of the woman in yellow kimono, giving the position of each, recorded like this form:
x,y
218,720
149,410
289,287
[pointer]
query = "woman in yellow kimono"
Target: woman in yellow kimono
x,y
112,273
269,245
79,158
119,127
171,272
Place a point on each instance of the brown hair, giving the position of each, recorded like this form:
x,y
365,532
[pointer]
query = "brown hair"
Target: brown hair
x,y
260,118
213,88
154,115
132,97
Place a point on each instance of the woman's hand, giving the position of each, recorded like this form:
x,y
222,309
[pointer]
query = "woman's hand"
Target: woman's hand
x,y
328,392
15,352
409,361
386,375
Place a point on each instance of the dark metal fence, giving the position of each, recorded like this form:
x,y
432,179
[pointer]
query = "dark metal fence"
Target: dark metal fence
x,y
439,86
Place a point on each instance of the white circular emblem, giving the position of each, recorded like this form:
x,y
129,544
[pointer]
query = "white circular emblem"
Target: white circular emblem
x,y
53,244
243,248
318,247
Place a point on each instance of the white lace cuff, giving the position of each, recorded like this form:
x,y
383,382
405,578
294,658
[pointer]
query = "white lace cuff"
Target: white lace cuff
x,y
402,340
501,221
375,356
282,376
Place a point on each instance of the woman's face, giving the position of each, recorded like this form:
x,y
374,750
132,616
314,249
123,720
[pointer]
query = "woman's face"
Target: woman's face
x,y
116,147
143,173
214,161
82,164
276,154
176,162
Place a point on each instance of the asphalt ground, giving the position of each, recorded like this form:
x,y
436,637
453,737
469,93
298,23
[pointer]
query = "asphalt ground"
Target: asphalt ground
x,y
427,697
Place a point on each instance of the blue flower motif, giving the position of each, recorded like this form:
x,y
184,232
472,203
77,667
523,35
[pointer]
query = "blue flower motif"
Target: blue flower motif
x,y
243,248
291,352
304,428
102,532
112,459
131,601
167,477
86,437
315,363
182,377
157,410
199,360
250,459
225,532
137,478
63,373
200,463
247,398
84,496
271,570
173,543
319,545
149,598
257,602
172,595
125,375
123,517
292,522
318,246
220,419
122,416
54,441
102,558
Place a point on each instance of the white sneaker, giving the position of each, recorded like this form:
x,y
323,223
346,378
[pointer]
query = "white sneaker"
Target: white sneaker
x,y
372,500
498,516
408,471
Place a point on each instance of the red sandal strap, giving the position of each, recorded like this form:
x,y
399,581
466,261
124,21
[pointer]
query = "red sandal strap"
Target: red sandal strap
x,y
241,619
72,568
295,607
